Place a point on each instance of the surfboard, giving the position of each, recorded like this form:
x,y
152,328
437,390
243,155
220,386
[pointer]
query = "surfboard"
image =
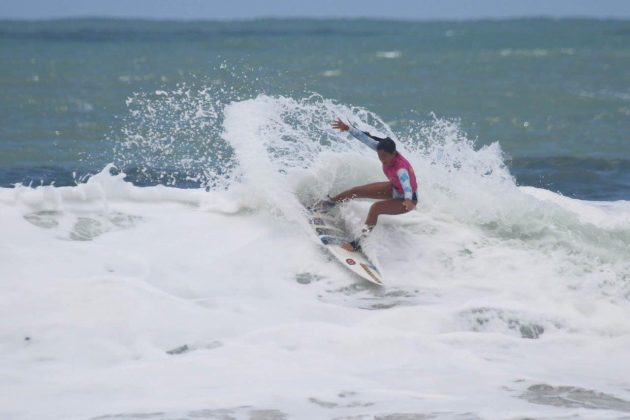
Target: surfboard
x,y
331,236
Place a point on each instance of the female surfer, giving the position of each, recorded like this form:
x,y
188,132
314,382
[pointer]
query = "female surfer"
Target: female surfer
x,y
398,195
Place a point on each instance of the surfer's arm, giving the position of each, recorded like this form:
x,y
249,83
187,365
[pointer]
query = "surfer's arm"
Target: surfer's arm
x,y
405,182
363,137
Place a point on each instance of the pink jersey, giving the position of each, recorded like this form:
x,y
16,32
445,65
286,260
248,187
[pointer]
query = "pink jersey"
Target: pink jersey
x,y
394,174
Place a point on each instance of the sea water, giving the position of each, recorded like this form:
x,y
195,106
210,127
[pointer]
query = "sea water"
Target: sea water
x,y
156,262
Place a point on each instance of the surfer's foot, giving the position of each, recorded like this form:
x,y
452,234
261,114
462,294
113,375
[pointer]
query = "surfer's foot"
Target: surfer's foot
x,y
323,204
351,246
355,245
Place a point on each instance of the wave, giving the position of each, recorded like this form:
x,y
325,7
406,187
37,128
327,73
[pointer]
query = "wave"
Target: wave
x,y
205,283
279,152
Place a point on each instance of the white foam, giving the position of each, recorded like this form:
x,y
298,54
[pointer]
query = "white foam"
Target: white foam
x,y
389,54
491,288
331,73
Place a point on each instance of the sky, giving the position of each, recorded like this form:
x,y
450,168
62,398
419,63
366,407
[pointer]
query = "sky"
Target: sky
x,y
248,9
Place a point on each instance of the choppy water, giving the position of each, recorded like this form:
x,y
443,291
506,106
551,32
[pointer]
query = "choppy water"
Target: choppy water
x,y
554,93
181,280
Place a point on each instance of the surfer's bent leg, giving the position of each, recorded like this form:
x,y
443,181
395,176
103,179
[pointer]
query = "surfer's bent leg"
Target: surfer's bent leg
x,y
392,206
376,190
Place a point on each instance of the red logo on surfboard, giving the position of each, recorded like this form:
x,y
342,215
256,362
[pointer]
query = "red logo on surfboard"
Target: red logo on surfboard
x,y
350,261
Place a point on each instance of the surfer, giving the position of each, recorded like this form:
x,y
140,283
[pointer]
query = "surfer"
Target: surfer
x,y
398,195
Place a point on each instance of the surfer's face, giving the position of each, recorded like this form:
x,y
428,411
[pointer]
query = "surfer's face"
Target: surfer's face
x,y
386,158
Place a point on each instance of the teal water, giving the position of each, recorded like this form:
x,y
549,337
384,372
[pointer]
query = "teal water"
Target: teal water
x,y
554,93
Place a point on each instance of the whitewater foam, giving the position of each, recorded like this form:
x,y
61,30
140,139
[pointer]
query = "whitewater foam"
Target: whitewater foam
x,y
497,296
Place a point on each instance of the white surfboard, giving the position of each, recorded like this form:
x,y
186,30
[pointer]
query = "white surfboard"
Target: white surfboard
x,y
331,236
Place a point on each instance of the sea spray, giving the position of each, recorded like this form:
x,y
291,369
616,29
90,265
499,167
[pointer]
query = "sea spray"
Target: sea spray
x,y
174,137
281,151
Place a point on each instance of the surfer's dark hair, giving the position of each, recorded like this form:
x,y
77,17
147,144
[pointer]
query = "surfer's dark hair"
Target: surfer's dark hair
x,y
384,143
387,145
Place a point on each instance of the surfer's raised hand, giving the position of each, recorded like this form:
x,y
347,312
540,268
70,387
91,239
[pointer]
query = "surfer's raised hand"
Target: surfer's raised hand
x,y
409,205
340,125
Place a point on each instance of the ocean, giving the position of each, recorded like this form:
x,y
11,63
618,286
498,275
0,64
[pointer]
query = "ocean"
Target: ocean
x,y
155,257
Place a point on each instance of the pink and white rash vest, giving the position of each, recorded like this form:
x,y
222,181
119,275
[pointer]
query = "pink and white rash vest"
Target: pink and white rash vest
x,y
399,172
401,175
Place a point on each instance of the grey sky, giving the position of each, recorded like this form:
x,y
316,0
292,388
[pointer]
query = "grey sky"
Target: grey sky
x,y
245,9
